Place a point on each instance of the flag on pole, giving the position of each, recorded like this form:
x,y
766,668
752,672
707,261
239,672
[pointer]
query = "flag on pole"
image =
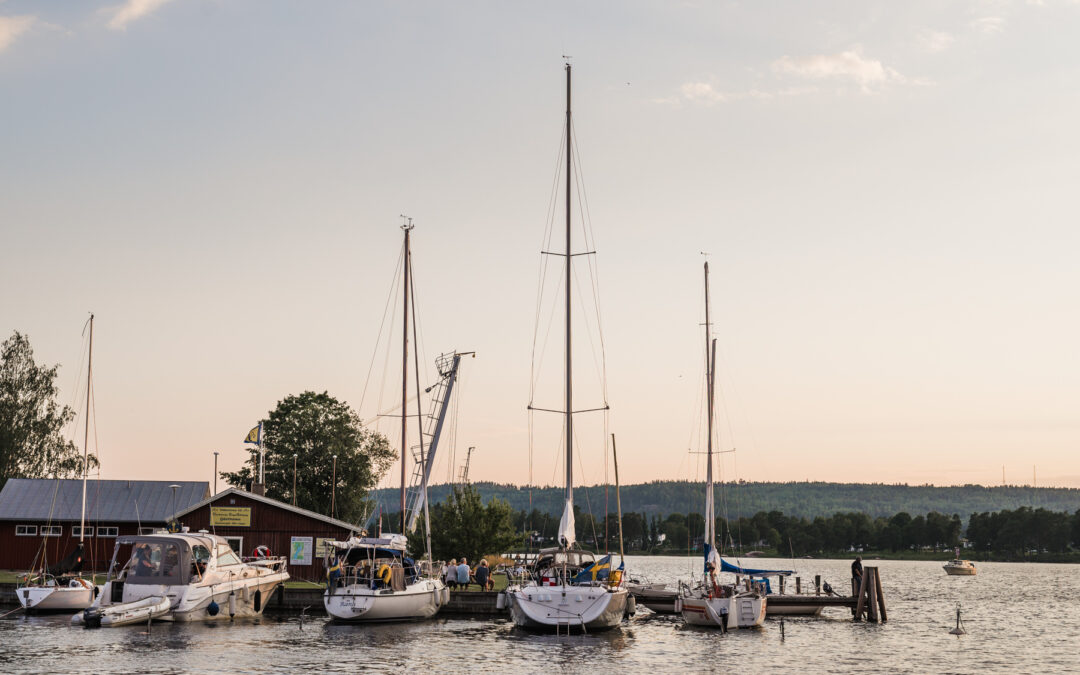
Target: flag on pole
x,y
255,435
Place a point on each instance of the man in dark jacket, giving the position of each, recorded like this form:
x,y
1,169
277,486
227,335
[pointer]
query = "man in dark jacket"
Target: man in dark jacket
x,y
856,575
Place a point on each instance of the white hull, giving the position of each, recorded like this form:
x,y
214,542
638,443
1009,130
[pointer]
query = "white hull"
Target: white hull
x,y
239,598
743,611
79,594
588,608
123,614
358,602
960,571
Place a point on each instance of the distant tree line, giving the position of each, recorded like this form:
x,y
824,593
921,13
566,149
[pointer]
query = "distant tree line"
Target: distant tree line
x,y
801,499
1021,531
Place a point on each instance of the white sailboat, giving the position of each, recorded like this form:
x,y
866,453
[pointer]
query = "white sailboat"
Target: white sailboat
x,y
711,603
371,579
567,591
54,590
182,577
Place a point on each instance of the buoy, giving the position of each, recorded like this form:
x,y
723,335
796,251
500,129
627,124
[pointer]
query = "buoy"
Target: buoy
x,y
959,630
232,604
500,601
631,606
213,608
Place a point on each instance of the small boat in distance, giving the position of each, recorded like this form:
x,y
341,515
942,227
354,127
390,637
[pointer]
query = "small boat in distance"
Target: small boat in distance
x,y
959,567
182,577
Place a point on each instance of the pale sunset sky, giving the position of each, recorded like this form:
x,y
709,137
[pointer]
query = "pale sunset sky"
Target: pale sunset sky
x,y
887,193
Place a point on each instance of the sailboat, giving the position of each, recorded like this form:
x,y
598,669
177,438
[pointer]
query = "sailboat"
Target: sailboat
x,y
570,588
371,579
712,603
52,589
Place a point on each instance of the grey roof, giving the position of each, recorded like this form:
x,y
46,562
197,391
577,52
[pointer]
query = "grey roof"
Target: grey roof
x,y
112,501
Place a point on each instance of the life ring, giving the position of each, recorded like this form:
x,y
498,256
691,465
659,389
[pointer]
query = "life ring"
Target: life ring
x,y
261,552
80,583
384,574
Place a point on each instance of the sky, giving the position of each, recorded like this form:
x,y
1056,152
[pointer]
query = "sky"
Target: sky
x,y
885,192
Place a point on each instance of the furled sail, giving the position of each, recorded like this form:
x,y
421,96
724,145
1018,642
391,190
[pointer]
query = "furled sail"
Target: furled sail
x,y
566,526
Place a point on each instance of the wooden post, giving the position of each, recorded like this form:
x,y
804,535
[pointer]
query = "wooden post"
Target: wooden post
x,y
817,584
871,590
881,599
860,606
798,585
781,585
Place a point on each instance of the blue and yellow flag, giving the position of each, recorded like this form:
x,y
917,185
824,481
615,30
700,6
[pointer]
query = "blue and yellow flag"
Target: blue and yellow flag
x,y
598,571
254,436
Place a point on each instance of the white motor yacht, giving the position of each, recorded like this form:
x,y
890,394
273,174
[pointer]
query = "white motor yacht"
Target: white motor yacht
x,y
372,580
960,567
182,577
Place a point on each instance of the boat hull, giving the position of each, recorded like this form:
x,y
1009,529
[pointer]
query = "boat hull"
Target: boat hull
x,y
123,614
657,597
75,596
960,571
568,608
357,603
744,611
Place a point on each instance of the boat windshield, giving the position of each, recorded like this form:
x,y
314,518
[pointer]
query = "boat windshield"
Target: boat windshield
x,y
155,562
226,556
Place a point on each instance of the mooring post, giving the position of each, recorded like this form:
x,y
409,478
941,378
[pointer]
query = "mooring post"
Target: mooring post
x,y
798,585
817,584
781,585
860,605
871,589
881,599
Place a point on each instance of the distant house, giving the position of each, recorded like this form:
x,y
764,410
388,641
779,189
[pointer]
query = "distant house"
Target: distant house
x,y
249,521
41,516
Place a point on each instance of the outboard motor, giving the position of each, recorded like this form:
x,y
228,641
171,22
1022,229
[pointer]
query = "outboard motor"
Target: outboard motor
x,y
91,618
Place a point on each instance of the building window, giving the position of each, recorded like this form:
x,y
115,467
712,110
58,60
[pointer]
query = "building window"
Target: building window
x,y
75,531
147,530
108,531
51,530
236,544
26,530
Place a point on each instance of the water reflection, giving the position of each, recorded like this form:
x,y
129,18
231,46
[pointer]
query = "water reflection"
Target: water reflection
x,y
1019,618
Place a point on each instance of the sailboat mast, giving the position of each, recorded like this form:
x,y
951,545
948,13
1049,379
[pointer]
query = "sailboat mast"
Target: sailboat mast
x,y
86,431
569,345
407,262
710,362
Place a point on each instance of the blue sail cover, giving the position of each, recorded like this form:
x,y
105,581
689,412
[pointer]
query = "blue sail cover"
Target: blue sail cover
x,y
725,566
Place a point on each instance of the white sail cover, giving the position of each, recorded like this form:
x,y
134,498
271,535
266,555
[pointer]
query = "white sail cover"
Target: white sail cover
x,y
566,526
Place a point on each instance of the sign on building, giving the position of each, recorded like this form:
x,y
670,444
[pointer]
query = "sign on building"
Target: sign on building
x,y
323,547
300,551
230,516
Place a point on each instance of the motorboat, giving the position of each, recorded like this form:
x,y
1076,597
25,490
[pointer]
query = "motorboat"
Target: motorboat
x,y
658,597
372,580
959,567
199,575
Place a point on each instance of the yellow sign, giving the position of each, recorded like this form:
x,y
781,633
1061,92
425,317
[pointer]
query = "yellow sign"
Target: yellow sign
x,y
230,516
322,547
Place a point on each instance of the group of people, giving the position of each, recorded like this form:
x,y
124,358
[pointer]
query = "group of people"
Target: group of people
x,y
459,575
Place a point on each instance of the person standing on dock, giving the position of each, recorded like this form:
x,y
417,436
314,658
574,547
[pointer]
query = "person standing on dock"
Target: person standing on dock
x,y
856,575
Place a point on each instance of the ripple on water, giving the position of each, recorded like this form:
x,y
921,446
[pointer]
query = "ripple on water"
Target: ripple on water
x,y
1019,617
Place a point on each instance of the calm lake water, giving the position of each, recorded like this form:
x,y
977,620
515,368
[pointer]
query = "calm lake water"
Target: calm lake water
x,y
1021,618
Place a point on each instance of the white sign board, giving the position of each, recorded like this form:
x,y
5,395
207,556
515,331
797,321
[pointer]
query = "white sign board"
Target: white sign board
x,y
300,551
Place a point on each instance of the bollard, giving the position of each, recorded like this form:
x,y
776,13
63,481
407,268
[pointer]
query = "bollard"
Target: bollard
x,y
782,585
798,585
817,584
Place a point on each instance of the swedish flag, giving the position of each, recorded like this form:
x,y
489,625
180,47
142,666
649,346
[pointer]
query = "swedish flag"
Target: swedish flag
x,y
254,436
334,572
598,571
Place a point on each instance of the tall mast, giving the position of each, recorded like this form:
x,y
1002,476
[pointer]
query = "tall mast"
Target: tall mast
x,y
569,346
407,227
710,362
86,432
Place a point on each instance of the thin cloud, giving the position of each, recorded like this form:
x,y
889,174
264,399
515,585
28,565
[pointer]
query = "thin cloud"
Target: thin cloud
x,y
848,66
703,93
12,27
130,11
935,41
989,25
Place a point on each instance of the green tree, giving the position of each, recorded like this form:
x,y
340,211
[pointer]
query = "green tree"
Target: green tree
x,y
32,444
315,427
464,526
